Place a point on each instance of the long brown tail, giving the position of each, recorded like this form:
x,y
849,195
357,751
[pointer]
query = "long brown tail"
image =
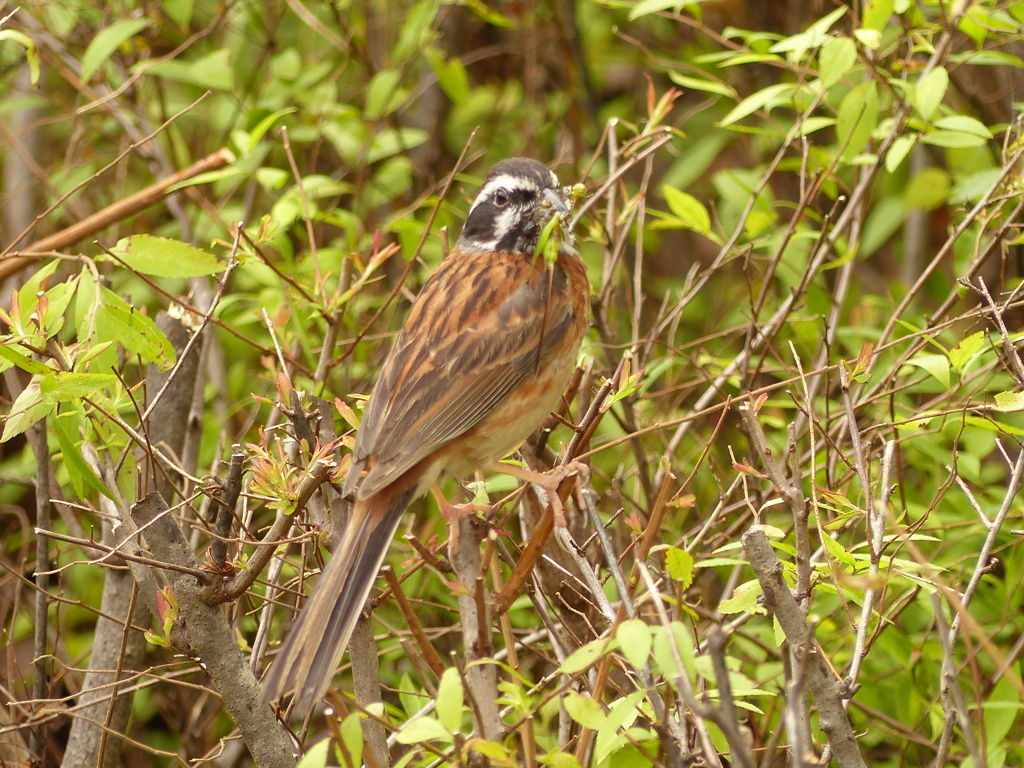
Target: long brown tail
x,y
310,655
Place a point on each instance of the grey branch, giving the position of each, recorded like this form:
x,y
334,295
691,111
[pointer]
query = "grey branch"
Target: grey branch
x,y
827,691
210,638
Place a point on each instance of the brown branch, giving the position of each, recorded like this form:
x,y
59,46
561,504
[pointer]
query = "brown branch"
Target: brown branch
x,y
118,651
225,498
727,718
430,657
122,209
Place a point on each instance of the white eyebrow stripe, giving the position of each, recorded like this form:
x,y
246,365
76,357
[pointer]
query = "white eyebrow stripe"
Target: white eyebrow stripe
x,y
504,181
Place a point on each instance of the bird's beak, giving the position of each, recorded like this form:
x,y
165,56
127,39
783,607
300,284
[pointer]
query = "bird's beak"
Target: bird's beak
x,y
551,199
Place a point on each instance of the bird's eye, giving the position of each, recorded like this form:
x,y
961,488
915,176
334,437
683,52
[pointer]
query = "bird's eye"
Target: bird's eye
x,y
501,198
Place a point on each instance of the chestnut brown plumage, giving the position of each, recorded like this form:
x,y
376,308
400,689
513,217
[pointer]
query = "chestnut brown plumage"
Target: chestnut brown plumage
x,y
483,357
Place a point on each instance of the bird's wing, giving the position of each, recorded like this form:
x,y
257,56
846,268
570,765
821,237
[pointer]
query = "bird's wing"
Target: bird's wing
x,y
471,337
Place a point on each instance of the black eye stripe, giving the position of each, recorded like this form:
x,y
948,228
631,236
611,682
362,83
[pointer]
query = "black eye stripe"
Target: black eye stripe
x,y
502,197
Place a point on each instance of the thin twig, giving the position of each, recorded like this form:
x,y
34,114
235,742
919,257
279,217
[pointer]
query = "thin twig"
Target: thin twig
x,y
41,661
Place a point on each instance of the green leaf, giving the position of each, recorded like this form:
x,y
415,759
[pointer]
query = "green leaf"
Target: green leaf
x,y
390,142
869,38
837,57
449,700
936,365
213,71
952,139
488,14
962,354
1001,710
451,75
490,749
814,36
964,124
635,641
815,123
253,137
1010,402
383,94
558,759
179,11
316,756
417,30
688,210
974,186
743,599
29,407
622,713
106,42
79,471
584,710
411,698
424,728
351,730
876,14
28,294
31,54
923,421
927,190
135,332
63,386
584,657
664,656
898,151
162,257
838,552
679,564
929,92
858,116
703,84
50,312
772,96
9,353
647,7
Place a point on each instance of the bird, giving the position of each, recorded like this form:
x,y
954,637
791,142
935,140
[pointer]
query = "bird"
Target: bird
x,y
484,355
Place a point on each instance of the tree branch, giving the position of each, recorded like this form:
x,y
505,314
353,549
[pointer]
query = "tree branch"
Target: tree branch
x,y
209,637
828,692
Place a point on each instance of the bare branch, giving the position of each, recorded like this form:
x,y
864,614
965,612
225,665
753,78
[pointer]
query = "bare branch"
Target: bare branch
x,y
828,693
209,636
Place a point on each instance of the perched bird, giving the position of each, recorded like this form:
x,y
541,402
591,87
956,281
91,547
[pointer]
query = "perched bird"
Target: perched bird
x,y
485,354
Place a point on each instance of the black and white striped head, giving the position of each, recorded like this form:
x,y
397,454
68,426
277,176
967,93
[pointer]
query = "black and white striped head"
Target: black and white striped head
x,y
517,200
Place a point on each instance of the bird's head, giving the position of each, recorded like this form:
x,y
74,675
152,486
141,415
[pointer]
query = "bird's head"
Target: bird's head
x,y
512,208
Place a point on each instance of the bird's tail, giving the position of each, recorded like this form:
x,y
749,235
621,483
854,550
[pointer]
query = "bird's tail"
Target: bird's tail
x,y
310,654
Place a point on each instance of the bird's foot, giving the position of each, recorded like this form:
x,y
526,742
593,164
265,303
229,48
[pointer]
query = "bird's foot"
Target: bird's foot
x,y
549,481
453,513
